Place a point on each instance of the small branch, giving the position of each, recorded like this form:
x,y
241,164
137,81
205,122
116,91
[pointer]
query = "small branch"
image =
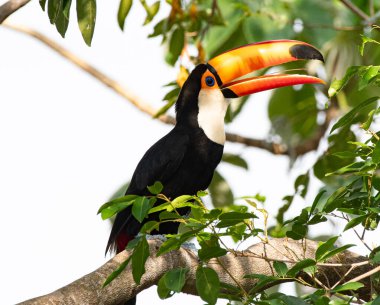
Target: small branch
x,y
365,275
371,8
8,8
332,27
355,10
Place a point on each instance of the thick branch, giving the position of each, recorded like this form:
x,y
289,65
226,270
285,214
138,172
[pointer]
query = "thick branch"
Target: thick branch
x,y
256,259
272,147
8,8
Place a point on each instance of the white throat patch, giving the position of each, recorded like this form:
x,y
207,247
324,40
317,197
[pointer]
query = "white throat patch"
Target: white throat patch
x,y
212,110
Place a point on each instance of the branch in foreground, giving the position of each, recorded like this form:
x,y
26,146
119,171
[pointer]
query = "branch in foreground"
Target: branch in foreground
x,y
256,259
272,147
8,8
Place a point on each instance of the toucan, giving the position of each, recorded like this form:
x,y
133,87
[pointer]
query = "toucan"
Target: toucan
x,y
184,160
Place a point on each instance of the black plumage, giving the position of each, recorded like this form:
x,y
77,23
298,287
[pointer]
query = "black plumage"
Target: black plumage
x,y
183,161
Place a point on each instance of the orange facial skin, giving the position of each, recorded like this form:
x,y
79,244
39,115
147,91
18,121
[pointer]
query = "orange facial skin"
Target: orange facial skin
x,y
206,82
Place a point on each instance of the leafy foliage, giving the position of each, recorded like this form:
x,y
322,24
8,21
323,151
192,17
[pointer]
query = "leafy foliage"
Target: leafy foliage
x,y
300,118
354,199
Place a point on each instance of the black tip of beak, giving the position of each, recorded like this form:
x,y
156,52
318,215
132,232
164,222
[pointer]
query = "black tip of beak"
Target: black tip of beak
x,y
228,93
301,51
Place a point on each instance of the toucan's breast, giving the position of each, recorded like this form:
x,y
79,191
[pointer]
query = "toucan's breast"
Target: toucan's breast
x,y
212,109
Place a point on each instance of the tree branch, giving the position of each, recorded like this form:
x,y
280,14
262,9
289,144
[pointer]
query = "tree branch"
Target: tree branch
x,y
272,147
8,8
355,10
256,259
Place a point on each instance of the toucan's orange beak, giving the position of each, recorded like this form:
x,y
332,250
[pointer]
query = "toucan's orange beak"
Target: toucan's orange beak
x,y
234,64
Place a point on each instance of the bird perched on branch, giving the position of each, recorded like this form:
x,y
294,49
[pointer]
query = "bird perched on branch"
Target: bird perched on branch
x,y
184,160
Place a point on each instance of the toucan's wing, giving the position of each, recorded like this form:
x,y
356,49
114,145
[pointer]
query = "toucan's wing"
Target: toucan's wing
x,y
160,163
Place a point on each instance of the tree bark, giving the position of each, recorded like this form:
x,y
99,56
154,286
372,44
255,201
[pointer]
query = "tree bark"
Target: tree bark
x,y
231,269
8,8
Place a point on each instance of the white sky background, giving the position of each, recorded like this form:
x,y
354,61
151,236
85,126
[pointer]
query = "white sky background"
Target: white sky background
x,y
68,142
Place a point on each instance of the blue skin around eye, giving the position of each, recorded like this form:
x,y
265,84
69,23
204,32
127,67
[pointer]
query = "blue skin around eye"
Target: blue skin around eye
x,y
210,81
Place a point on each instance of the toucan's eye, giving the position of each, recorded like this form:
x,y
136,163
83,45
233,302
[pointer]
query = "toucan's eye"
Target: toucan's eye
x,y
210,81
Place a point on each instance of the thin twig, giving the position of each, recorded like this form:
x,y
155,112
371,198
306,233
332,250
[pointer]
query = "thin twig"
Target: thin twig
x,y
357,234
356,10
8,8
371,8
343,277
365,275
332,27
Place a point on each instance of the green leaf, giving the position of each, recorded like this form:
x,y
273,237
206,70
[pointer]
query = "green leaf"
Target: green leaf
x,y
263,281
345,154
325,247
169,245
210,249
176,44
375,255
366,40
316,201
376,301
235,160
43,4
139,257
280,268
376,153
291,300
367,75
164,108
169,215
125,198
297,232
156,188
177,202
236,216
202,193
349,117
122,13
208,284
62,21
175,279
354,222
306,263
336,251
114,274
338,85
141,207
162,291
232,218
151,10
54,7
115,208
348,286
220,191
369,121
301,184
213,214
86,14
149,226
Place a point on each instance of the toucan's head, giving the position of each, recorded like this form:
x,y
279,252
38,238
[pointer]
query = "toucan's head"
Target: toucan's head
x,y
203,100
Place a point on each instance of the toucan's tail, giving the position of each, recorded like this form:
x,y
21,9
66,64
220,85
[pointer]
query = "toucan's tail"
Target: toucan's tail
x,y
124,229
